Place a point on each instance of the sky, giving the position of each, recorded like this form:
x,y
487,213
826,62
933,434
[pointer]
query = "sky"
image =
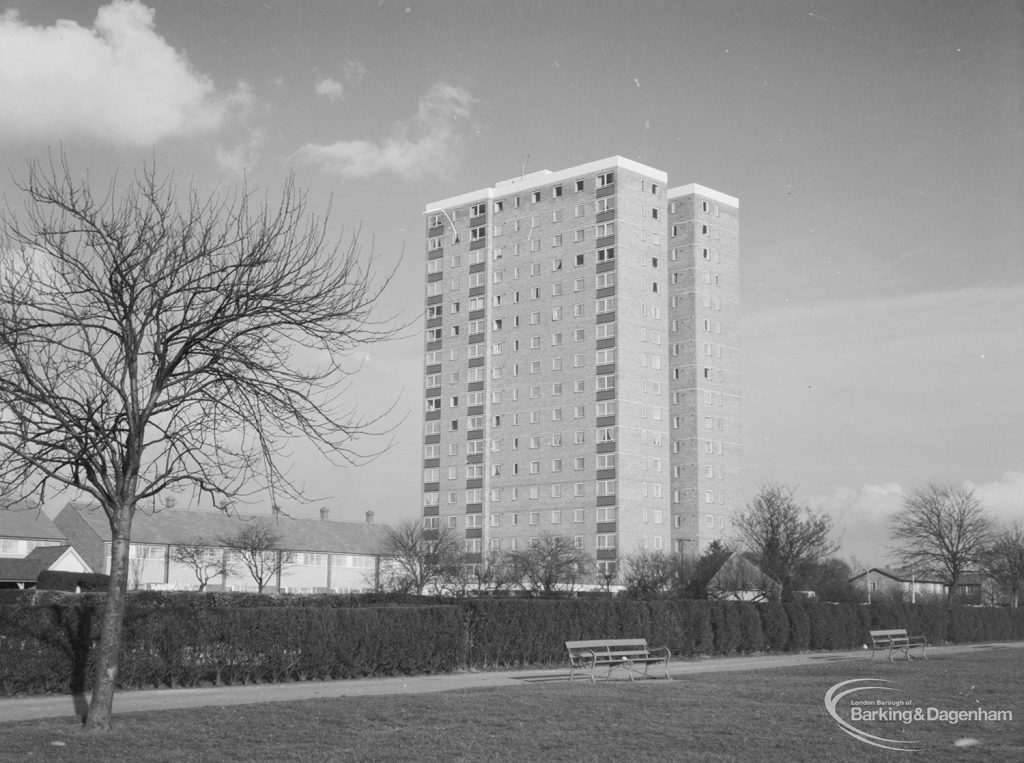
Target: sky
x,y
877,149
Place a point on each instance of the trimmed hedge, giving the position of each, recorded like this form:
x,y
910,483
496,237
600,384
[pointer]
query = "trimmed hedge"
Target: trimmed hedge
x,y
46,640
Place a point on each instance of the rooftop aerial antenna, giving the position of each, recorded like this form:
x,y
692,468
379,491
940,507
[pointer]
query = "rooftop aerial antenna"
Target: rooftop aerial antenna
x,y
523,161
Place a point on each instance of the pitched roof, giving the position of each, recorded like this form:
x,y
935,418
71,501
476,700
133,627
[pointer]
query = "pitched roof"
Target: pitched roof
x,y
27,569
902,576
170,527
20,521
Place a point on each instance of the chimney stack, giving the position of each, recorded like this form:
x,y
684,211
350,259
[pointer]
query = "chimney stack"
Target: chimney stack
x,y
369,517
323,513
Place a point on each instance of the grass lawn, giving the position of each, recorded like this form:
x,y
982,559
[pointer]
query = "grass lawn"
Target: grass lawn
x,y
764,715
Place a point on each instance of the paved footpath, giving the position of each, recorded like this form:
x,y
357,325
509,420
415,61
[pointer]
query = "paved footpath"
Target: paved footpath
x,y
14,709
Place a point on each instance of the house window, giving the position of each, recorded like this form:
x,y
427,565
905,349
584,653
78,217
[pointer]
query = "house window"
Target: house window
x,y
605,179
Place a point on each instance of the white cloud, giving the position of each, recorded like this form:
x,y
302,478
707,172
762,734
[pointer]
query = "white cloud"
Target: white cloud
x,y
862,515
330,89
354,72
418,147
243,155
1004,497
118,81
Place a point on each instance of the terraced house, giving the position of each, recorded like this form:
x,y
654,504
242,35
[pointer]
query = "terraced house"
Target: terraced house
x,y
307,555
582,363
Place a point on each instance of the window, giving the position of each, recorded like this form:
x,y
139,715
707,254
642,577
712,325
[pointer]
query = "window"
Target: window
x,y
605,179
579,185
603,229
535,197
556,191
603,255
480,232
606,540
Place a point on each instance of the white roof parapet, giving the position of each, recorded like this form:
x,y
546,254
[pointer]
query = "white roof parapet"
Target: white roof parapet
x,y
703,190
543,177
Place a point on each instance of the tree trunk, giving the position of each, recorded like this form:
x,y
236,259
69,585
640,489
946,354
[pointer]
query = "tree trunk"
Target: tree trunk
x,y
108,651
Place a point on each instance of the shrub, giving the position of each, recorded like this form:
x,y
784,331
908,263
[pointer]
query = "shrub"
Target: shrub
x,y
799,627
774,625
56,580
46,639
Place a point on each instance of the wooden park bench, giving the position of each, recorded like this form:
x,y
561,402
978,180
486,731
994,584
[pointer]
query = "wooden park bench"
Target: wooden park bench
x,y
896,640
628,654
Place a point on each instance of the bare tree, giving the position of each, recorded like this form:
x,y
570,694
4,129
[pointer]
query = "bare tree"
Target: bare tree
x,y
943,530
648,574
257,548
783,535
550,564
419,558
1004,561
154,340
205,562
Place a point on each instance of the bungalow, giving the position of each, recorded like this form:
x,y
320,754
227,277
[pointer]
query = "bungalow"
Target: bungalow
x,y
23,573
31,543
739,579
24,528
185,550
882,583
